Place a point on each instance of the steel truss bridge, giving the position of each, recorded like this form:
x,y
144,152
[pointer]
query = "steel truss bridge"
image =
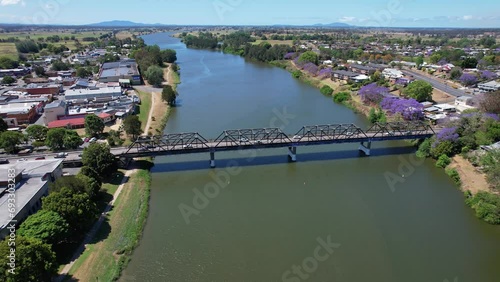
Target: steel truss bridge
x,y
261,138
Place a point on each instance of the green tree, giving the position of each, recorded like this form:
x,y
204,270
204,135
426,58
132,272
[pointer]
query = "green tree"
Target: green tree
x,y
326,90
78,184
55,138
132,125
419,90
419,61
77,209
99,157
455,73
154,75
443,161
8,80
7,63
309,57
168,95
37,132
47,226
296,73
169,56
35,261
9,141
469,63
93,125
83,72
72,140
3,125
39,70
90,172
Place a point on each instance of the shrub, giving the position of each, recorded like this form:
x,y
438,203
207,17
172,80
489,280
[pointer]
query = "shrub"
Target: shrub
x,y
424,150
297,74
453,173
326,90
486,206
341,97
443,161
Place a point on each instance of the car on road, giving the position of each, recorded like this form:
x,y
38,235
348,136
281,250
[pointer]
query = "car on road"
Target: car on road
x,y
258,142
349,133
187,146
21,160
4,161
142,149
92,140
297,137
244,140
39,158
390,133
61,155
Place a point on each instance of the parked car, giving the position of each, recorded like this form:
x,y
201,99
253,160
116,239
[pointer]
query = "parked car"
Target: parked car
x,y
92,140
4,161
39,158
61,155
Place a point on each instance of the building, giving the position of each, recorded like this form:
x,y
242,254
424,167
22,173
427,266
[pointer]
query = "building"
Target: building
x,y
24,113
489,86
348,76
126,69
463,103
53,110
366,70
36,89
75,122
392,73
91,94
14,72
32,180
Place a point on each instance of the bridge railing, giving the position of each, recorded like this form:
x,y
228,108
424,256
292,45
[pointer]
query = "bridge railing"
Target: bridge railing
x,y
257,136
328,132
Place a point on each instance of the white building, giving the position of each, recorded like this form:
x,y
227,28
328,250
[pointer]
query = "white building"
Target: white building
x,y
392,73
489,86
463,103
53,110
90,94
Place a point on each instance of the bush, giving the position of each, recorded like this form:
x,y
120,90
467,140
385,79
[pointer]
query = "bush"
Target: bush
x,y
341,97
326,90
453,173
424,150
442,148
443,161
297,74
486,206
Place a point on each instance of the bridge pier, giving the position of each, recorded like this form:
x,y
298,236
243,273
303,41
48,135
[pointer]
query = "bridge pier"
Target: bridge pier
x,y
212,159
365,148
292,154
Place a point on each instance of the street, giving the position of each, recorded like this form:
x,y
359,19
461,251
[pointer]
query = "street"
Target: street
x,y
436,83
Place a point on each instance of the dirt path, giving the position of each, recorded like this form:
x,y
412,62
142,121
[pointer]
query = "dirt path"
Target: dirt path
x,y
90,235
472,180
151,112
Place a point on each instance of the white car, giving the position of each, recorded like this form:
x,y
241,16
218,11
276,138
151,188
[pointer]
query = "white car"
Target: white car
x,y
297,137
187,146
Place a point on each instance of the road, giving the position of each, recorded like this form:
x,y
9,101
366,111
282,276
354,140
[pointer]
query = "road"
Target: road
x,y
436,83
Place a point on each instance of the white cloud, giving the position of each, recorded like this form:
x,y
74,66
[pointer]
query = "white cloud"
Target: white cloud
x,y
467,18
347,19
10,2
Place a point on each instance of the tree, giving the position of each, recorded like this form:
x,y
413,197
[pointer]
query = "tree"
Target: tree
x,y
9,141
409,109
372,93
419,61
455,73
90,172
47,226
78,184
83,72
3,125
93,125
490,102
55,138
37,132
8,80
7,63
99,157
154,75
168,95
132,125
77,209
468,79
35,261
419,90
169,56
308,57
39,70
469,63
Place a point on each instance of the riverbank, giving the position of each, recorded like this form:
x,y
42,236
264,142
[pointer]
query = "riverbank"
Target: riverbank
x,y
471,179
107,254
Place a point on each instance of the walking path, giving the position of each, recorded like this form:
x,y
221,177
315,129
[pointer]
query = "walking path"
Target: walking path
x,y
90,235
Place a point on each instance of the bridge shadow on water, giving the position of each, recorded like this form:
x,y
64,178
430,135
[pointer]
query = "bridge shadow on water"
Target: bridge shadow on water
x,y
176,166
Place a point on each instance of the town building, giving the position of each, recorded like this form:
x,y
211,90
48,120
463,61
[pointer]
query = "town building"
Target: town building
x,y
14,72
125,69
348,76
24,113
31,181
91,94
489,86
53,110
36,89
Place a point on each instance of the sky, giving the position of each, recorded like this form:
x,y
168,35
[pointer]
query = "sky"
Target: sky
x,y
377,13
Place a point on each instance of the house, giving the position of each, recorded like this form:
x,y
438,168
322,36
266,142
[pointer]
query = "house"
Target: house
x,y
463,103
392,73
24,113
489,86
36,89
366,70
32,179
446,108
347,76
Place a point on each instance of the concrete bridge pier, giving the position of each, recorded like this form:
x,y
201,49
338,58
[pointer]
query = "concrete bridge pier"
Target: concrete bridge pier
x,y
292,154
212,159
365,148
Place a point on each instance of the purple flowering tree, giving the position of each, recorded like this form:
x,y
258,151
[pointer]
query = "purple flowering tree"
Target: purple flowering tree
x,y
290,56
468,79
372,93
447,134
310,68
298,63
488,75
409,109
325,73
442,62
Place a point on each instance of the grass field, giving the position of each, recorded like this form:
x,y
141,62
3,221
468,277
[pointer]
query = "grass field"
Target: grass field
x,y
63,33
144,108
8,50
275,42
107,256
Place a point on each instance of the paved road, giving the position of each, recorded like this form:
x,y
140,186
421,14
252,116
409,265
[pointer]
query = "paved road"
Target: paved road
x,y
436,83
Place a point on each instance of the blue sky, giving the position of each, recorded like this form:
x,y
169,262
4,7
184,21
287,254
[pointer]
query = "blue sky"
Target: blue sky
x,y
396,13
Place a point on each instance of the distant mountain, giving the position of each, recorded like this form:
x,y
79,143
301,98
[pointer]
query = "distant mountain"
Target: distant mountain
x,y
334,25
122,24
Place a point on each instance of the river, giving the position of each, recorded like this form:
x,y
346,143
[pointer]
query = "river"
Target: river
x,y
332,216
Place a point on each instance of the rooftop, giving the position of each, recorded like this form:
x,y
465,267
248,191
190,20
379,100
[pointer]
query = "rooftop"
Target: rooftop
x,y
111,91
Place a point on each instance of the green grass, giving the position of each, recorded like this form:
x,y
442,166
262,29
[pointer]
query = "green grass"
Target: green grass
x,y
37,34
110,255
8,50
144,108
